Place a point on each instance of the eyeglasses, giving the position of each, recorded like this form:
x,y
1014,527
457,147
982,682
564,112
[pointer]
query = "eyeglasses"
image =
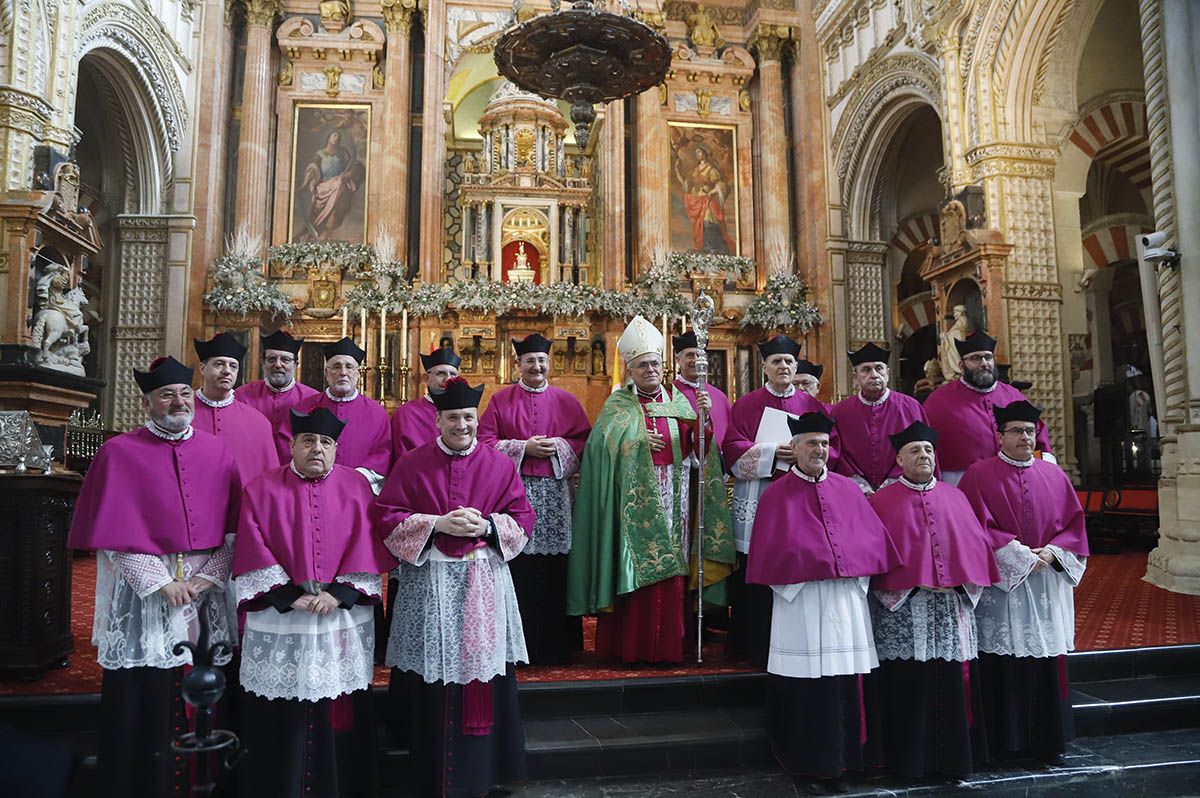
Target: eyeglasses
x,y
283,360
1022,432
987,357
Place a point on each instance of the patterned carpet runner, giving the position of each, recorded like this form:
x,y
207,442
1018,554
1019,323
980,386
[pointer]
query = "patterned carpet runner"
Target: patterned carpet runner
x,y
1114,608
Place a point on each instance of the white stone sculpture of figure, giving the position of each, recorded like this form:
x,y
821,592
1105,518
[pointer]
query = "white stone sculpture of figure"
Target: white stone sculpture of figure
x,y
947,351
59,331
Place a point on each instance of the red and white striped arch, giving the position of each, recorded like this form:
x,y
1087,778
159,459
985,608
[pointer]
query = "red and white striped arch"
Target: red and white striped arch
x,y
915,231
1116,134
1111,244
915,312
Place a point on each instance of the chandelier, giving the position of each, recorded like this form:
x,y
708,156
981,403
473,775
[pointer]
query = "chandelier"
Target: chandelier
x,y
584,55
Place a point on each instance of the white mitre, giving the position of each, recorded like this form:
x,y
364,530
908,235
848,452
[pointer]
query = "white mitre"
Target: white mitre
x,y
640,338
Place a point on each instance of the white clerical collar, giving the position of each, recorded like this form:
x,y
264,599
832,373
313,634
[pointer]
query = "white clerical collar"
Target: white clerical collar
x,y
527,389
456,452
688,383
1015,463
824,475
963,380
349,398
791,389
169,436
296,471
883,398
428,398
915,486
658,393
284,389
226,402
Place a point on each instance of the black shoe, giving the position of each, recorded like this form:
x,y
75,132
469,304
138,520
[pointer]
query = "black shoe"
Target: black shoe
x,y
1054,760
838,785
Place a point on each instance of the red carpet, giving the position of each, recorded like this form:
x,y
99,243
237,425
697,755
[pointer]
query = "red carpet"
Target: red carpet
x,y
1114,608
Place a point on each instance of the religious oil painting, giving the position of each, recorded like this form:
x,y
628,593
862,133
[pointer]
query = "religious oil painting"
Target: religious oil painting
x,y
330,148
704,188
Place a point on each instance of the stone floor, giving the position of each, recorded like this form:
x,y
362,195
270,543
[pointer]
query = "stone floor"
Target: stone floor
x,y
1162,764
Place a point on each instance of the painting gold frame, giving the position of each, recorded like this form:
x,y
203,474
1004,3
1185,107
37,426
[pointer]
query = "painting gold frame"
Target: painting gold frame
x,y
362,154
733,177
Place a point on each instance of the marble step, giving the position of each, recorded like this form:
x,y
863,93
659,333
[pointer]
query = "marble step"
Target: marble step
x,y
1159,764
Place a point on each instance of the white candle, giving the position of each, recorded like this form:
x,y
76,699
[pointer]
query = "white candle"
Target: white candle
x,y
382,333
362,332
404,335
345,320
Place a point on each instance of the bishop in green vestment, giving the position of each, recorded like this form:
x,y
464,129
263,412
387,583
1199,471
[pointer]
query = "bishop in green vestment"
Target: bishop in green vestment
x,y
633,550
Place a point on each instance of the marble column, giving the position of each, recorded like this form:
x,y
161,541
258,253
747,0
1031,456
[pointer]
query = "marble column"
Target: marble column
x,y
653,162
770,132
612,192
433,142
811,210
1172,77
253,166
397,77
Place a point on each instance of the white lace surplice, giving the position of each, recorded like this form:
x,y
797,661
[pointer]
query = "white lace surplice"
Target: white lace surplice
x,y
135,627
455,620
752,473
821,628
306,657
927,625
1036,616
550,497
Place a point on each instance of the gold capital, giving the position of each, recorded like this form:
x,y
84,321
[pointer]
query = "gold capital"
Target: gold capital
x,y
262,13
398,15
768,41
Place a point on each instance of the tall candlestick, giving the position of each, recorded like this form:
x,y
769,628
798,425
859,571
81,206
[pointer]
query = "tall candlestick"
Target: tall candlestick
x,y
345,320
383,332
404,335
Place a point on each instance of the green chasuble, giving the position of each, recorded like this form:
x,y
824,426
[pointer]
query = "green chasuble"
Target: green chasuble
x,y
620,540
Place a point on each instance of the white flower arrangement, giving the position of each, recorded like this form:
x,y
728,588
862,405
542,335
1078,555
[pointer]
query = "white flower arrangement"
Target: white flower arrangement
x,y
783,305
238,285
731,267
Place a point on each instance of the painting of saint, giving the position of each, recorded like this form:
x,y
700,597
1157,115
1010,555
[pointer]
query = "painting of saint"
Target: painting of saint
x,y
703,189
329,173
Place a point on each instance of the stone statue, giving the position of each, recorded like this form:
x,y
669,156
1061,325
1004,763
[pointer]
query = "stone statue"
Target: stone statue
x,y
702,31
947,351
59,331
569,168
470,165
334,14
585,171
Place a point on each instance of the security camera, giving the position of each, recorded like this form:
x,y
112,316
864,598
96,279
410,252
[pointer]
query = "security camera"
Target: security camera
x,y
1155,250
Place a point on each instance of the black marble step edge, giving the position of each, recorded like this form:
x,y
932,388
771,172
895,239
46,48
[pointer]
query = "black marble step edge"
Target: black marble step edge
x,y
653,694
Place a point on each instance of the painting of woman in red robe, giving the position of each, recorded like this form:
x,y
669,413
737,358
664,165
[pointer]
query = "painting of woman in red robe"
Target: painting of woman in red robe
x,y
329,177
703,190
